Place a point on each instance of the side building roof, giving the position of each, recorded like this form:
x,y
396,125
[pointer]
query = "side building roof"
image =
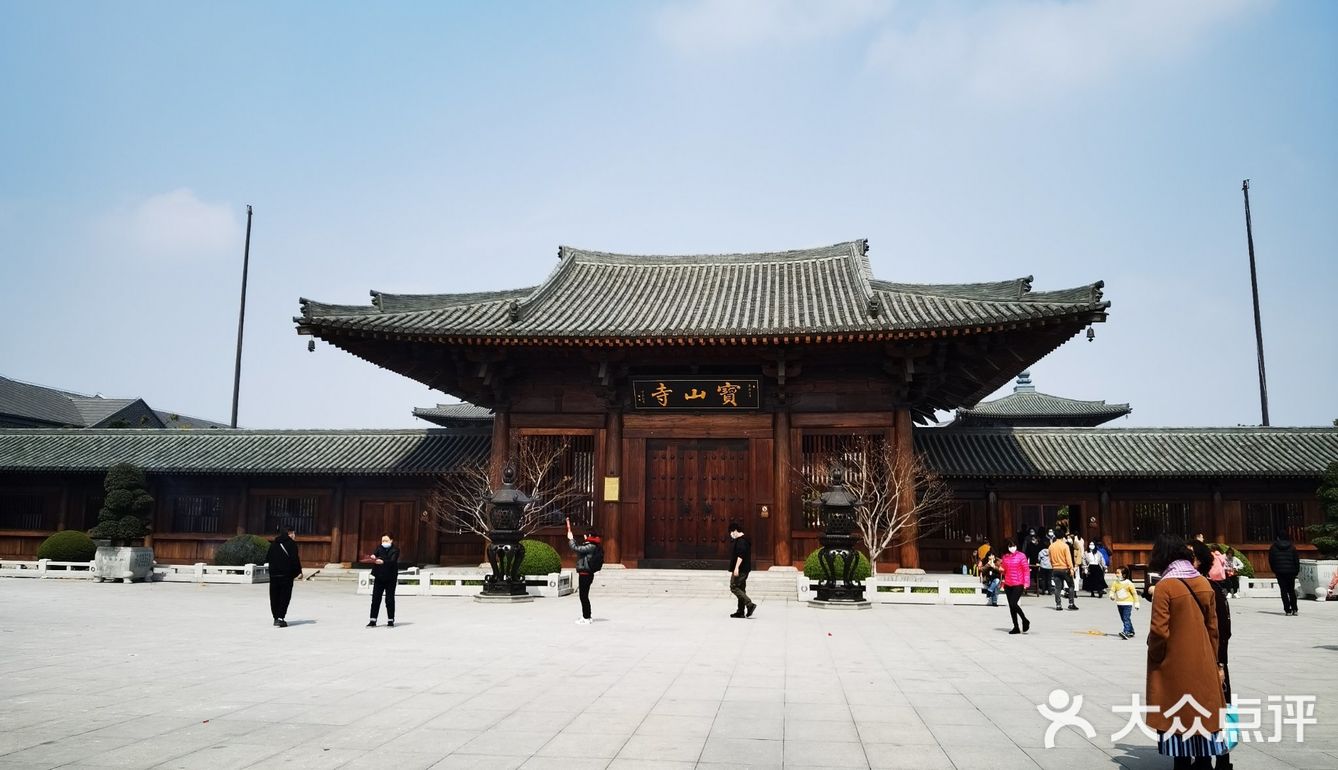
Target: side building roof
x,y
1077,453
242,452
1025,406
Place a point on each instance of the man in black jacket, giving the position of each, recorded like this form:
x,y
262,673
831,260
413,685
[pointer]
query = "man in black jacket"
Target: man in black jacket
x,y
385,577
285,566
1286,565
740,564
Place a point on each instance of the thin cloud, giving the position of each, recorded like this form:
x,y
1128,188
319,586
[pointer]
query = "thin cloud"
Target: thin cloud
x,y
174,225
727,26
1035,49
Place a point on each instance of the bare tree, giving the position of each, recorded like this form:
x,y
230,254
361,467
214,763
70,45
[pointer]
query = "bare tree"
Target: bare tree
x,y
901,498
546,471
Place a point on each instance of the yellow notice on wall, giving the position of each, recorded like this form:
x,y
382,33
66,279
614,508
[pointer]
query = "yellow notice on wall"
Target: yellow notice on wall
x,y
611,489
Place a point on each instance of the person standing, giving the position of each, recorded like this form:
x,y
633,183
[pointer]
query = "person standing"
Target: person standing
x,y
1093,572
1286,565
1182,660
991,575
589,560
1016,580
740,564
385,578
1125,596
1062,569
285,566
1044,574
1205,560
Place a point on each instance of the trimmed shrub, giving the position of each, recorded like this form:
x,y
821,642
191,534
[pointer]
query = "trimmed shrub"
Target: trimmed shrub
x,y
70,545
242,550
813,568
125,510
1324,536
540,558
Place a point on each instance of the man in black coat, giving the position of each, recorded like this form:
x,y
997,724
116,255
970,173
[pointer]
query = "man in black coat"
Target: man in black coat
x,y
740,564
285,566
385,577
1286,565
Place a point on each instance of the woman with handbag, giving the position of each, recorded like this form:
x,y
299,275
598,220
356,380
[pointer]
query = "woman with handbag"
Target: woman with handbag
x,y
1182,663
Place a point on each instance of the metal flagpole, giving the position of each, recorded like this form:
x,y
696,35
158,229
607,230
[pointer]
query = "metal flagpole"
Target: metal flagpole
x,y
241,319
1254,289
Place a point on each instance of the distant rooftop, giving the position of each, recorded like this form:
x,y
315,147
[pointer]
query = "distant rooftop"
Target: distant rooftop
x,y
25,405
455,415
1025,407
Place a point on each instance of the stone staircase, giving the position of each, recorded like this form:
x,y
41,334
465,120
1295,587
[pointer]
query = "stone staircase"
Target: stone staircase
x,y
688,583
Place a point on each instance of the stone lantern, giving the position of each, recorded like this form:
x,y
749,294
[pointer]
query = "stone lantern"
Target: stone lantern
x,y
505,551
838,540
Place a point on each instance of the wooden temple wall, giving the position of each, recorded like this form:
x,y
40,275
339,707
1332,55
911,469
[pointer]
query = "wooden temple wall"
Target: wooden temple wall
x,y
343,517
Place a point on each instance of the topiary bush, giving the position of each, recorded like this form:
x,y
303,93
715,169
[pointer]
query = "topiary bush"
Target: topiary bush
x,y
813,568
540,558
242,550
1325,536
70,545
126,508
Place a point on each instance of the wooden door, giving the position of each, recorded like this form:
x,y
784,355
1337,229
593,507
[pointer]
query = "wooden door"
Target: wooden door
x,y
693,488
380,516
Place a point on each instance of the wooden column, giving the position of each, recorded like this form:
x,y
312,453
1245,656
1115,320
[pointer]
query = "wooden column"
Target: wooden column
x,y
1218,525
910,548
993,524
613,460
337,522
501,445
780,510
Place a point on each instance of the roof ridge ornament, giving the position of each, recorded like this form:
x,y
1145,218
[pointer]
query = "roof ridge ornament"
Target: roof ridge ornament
x,y
513,311
875,306
1024,285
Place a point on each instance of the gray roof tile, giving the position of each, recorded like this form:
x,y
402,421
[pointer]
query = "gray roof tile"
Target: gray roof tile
x,y
1128,452
249,452
596,295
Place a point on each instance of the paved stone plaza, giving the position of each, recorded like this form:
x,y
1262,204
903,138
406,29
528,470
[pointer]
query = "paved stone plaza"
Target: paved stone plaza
x,y
191,676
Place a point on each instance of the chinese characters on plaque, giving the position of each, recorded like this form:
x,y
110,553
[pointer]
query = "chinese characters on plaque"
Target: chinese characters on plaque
x,y
695,394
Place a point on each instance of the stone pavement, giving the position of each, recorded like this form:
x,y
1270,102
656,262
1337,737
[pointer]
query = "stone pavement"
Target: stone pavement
x,y
190,676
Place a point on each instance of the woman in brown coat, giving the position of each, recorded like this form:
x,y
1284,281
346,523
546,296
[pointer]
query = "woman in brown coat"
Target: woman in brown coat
x,y
1182,660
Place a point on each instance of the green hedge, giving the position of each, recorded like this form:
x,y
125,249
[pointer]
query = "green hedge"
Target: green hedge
x,y
242,550
540,558
813,568
70,545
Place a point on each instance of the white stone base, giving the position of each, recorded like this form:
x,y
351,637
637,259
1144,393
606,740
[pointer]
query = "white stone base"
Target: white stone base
x,y
821,605
1313,582
481,599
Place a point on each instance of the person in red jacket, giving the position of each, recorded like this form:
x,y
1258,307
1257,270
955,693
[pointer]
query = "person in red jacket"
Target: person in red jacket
x,y
1016,579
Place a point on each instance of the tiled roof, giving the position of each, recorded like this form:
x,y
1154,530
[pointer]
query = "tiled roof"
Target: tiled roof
x,y
454,414
1128,452
1027,406
249,452
38,404
29,405
594,296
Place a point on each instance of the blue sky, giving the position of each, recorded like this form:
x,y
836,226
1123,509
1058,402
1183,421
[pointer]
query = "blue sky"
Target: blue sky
x,y
438,147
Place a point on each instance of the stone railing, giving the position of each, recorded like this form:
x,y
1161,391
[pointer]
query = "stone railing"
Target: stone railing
x,y
211,573
911,589
46,568
467,582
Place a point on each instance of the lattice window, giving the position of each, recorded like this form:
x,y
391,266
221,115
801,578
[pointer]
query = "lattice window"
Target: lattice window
x,y
22,512
952,524
818,452
568,462
301,513
197,513
1152,519
1264,520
